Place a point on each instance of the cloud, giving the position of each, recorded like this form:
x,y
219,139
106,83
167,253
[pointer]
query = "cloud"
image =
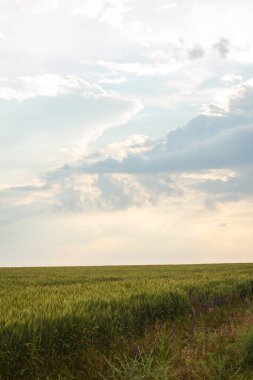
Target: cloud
x,y
236,188
208,151
38,6
48,119
144,178
2,36
222,47
241,100
140,68
8,9
167,6
135,172
56,103
231,78
228,148
135,144
237,101
46,85
196,52
116,80
111,191
110,12
120,191
66,116
206,142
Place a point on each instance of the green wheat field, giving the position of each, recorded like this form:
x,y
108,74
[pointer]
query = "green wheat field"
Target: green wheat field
x,y
133,322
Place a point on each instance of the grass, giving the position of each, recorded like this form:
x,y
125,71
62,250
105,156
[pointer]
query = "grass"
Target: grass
x,y
148,322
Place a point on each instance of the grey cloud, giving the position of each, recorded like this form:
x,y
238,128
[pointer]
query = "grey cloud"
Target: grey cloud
x,y
241,103
222,47
205,143
196,52
234,188
142,177
200,129
115,194
113,191
69,198
237,102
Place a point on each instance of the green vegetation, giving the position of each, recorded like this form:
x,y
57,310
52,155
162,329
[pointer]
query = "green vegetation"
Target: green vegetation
x,y
149,322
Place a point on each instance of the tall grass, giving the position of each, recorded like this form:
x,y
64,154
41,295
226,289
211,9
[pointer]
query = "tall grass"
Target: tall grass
x,y
58,315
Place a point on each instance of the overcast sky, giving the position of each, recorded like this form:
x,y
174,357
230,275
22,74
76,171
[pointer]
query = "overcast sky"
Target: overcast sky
x,y
126,132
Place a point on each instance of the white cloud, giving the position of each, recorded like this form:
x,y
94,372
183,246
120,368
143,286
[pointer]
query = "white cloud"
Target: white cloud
x,y
141,69
231,78
2,36
10,8
110,12
48,119
133,145
236,100
27,87
111,80
22,88
166,6
40,6
90,9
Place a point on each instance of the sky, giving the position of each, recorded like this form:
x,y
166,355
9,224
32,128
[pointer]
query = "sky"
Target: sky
x,y
126,132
